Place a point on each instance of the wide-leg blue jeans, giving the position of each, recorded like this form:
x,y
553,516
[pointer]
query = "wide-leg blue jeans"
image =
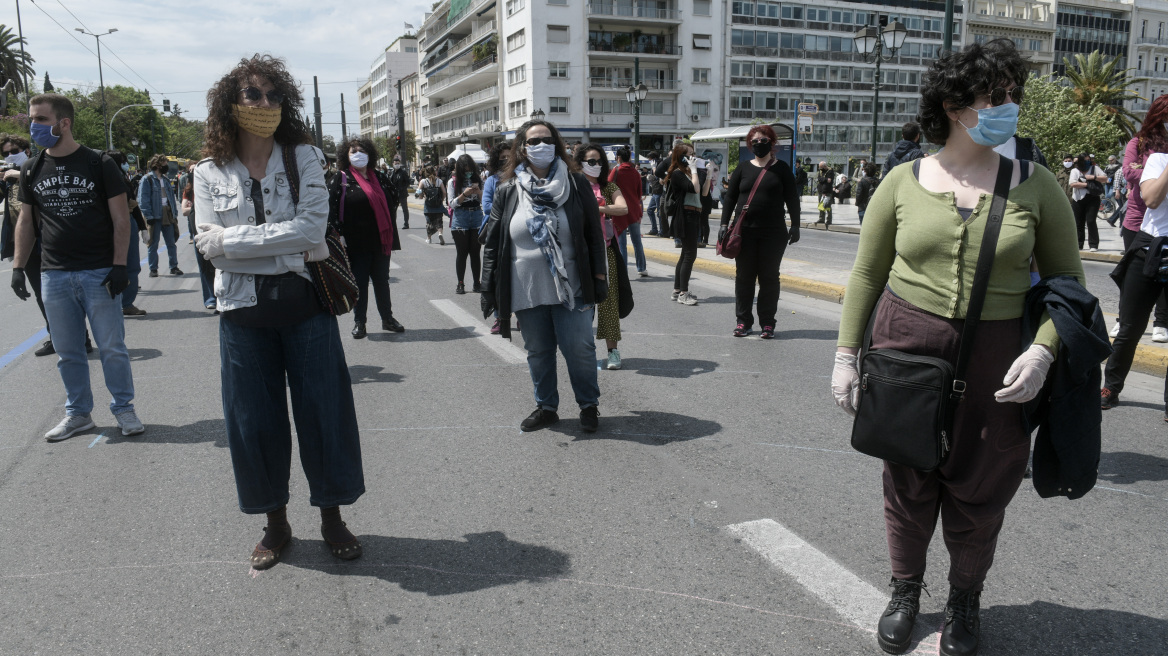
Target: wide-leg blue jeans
x,y
544,328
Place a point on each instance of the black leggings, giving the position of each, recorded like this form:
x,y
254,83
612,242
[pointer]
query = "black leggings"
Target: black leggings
x,y
371,266
689,250
1160,317
1137,296
1086,211
467,243
760,257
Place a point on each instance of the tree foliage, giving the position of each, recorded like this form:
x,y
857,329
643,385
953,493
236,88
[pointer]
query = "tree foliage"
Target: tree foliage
x,y
387,146
168,134
14,64
1059,124
1097,80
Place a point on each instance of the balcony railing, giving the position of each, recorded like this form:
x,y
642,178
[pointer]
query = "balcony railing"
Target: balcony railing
x,y
459,103
623,83
754,113
635,48
1148,41
441,26
632,11
1156,75
456,49
437,83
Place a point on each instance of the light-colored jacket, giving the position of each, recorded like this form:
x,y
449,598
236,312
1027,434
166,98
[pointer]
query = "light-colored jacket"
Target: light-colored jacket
x,y
150,190
223,197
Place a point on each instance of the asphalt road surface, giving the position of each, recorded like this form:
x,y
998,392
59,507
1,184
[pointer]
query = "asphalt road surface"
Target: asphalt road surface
x,y
719,509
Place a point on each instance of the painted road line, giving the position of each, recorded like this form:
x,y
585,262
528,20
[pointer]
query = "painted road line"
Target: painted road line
x,y
96,440
853,598
20,348
503,348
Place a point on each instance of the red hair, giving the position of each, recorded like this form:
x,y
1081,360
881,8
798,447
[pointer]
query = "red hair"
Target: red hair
x,y
765,130
1153,138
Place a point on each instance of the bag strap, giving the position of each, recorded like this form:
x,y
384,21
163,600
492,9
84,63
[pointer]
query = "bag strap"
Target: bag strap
x,y
757,181
293,172
344,187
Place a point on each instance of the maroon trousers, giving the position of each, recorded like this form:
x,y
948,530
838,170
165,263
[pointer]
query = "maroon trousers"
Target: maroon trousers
x,y
971,490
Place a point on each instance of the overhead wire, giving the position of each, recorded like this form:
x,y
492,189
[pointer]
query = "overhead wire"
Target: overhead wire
x,y
79,41
111,50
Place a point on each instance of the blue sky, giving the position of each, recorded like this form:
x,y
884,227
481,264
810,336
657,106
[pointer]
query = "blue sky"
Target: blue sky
x,y
181,48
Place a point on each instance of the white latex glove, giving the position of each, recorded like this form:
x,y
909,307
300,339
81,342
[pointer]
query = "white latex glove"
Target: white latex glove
x,y
1026,376
145,236
209,241
845,382
318,254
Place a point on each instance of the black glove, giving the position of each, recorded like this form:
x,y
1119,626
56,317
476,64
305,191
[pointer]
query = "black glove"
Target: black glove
x,y
116,280
487,303
721,232
18,284
600,289
793,236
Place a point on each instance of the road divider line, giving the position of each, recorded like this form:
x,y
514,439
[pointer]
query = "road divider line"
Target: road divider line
x,y
96,440
20,348
501,347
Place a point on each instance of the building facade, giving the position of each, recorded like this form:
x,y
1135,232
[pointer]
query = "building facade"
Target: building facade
x,y
1084,26
1030,24
365,109
412,107
397,61
1149,51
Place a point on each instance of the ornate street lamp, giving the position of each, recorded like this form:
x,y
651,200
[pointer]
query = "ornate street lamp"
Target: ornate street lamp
x,y
636,95
872,42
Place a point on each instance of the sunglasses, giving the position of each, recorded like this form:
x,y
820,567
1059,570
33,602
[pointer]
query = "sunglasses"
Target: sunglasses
x,y
6,153
998,96
761,142
592,162
535,141
252,94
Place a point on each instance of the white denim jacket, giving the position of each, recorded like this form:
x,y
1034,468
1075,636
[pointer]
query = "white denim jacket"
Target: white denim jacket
x,y
223,197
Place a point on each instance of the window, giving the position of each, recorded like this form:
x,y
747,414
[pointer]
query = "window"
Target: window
x,y
558,70
517,109
517,40
740,8
1036,44
701,108
1143,28
792,12
557,34
563,3
703,41
819,15
701,7
701,76
517,74
1140,62
514,6
557,105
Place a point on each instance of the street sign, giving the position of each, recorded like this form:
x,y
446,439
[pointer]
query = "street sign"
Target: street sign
x,y
809,109
805,123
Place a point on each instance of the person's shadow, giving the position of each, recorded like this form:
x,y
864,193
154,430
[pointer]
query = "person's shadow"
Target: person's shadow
x,y
1045,629
648,427
423,335
363,373
679,368
204,430
438,567
1128,467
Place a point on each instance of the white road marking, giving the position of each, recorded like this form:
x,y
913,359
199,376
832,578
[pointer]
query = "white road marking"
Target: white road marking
x,y
502,348
853,598
394,265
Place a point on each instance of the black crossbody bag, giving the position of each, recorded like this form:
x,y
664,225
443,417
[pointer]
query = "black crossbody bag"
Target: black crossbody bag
x,y
907,401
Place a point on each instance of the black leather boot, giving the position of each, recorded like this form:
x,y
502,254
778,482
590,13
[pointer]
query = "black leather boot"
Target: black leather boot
x,y
894,633
962,626
359,330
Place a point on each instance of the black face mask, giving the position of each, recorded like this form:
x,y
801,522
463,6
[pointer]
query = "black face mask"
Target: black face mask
x,y
760,150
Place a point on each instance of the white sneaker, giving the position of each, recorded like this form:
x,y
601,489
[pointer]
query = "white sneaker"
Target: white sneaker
x,y
614,361
1115,330
686,298
69,426
1093,250
643,274
1159,334
130,424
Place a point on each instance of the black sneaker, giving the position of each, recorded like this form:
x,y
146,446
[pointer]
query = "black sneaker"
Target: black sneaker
x,y
45,349
154,273
590,419
962,630
1108,399
894,631
477,288
539,419
175,271
392,326
358,330
460,289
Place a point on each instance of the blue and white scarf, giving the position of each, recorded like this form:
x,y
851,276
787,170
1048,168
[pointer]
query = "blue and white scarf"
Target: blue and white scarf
x,y
542,205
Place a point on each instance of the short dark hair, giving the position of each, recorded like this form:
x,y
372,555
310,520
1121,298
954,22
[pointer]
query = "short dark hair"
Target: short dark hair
x,y
654,154
871,169
910,131
624,154
366,145
498,157
583,150
62,107
959,78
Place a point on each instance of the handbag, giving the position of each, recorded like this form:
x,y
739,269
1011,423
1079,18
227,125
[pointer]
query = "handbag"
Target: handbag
x,y
731,243
333,279
1094,188
624,289
907,401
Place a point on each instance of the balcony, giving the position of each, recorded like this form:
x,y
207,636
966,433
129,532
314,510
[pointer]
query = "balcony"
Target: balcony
x,y
1148,41
604,47
459,74
460,47
633,11
1152,75
623,83
739,19
750,114
440,26
468,100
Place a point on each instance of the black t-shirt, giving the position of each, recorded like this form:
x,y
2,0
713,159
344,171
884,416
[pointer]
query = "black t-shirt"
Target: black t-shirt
x,y
76,230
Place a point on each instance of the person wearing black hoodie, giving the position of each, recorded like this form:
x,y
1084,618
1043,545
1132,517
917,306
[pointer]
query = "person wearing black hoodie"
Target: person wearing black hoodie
x,y
907,149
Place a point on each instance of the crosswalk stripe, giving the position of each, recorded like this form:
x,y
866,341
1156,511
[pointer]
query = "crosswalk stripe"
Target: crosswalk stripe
x,y
503,348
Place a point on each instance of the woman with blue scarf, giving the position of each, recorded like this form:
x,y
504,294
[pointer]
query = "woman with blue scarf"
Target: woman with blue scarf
x,y
544,260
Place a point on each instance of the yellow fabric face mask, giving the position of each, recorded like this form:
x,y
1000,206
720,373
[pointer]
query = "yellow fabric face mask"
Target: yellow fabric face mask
x,y
260,121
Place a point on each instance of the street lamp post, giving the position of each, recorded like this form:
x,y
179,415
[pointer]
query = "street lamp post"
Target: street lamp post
x,y
537,115
635,96
872,41
100,75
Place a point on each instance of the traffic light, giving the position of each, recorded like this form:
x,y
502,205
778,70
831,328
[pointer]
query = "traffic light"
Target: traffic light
x,y
166,105
397,142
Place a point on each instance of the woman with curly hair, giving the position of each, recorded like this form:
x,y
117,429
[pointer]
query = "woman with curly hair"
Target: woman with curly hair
x,y
363,204
259,232
611,203
914,268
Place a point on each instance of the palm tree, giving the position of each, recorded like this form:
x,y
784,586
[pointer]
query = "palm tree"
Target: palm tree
x,y
14,64
1096,80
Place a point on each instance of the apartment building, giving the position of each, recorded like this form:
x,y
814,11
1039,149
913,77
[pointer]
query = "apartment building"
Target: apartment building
x,y
398,60
365,109
1084,26
412,107
1149,51
1030,24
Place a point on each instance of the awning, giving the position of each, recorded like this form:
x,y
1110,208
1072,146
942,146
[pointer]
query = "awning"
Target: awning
x,y
782,131
476,153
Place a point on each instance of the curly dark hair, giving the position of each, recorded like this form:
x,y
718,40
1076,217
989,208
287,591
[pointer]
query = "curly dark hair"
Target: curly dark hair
x,y
960,77
519,149
366,145
221,126
581,155
498,158
16,140
158,162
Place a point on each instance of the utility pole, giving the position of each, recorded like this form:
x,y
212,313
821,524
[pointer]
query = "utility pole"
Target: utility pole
x,y
344,125
100,75
947,33
316,105
401,124
636,111
20,33
153,138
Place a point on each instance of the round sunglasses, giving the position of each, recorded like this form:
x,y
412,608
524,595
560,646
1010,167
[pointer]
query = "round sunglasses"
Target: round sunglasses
x,y
998,96
252,94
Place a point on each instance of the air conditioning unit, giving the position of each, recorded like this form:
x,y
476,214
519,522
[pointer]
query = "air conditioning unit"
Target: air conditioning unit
x,y
695,118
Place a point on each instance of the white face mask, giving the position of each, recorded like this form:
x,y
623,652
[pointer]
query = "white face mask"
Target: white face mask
x,y
593,171
1067,165
16,158
359,160
541,155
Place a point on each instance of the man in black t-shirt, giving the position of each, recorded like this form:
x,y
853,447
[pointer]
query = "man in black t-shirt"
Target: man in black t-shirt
x,y
79,197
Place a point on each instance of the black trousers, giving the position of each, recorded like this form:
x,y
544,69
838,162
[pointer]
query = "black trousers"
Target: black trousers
x,y
403,196
32,271
1086,211
371,265
1160,317
1136,298
689,250
704,226
466,243
758,261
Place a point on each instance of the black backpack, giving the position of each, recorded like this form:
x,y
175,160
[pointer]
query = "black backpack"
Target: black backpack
x,y
433,193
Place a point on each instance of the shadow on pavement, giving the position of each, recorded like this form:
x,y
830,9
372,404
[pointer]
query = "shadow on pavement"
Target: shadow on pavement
x,y
142,354
438,567
648,427
177,314
421,335
1042,628
363,373
679,368
717,300
807,334
204,430
165,292
1128,467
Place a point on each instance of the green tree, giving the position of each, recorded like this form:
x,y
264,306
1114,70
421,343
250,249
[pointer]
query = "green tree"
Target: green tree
x,y
1059,124
14,64
156,133
1097,80
387,146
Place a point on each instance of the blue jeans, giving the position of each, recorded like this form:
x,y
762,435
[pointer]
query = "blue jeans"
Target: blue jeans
x,y
168,236
70,298
547,326
634,233
254,363
133,268
651,210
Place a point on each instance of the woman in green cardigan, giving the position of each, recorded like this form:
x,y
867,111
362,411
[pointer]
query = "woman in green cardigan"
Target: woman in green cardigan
x,y
915,266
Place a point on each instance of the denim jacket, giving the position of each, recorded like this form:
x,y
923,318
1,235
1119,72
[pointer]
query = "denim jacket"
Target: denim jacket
x,y
150,197
223,197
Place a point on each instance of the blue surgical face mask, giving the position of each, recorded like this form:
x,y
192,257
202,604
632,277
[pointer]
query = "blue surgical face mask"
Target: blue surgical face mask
x,y
995,125
43,134
541,155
